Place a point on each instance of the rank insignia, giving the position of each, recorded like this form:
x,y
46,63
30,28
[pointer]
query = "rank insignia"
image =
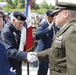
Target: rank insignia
x,y
18,17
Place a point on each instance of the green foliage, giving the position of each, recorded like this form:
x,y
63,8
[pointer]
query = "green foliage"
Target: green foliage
x,y
2,0
20,10
44,5
10,2
8,7
39,11
51,7
12,10
34,5
18,5
15,3
21,4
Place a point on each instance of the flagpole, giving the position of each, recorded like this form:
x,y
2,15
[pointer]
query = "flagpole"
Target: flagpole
x,y
28,68
26,14
56,1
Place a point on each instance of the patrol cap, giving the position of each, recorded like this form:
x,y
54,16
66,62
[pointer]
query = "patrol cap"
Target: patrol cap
x,y
19,16
64,5
49,13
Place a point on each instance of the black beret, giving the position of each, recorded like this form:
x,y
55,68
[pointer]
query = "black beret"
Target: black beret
x,y
49,13
19,16
64,5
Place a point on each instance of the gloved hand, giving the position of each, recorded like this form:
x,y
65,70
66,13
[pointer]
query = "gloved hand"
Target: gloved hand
x,y
12,72
32,57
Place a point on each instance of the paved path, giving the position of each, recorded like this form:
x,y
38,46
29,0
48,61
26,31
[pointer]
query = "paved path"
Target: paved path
x,y
32,70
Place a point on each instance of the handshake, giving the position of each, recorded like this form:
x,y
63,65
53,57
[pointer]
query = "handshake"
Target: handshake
x,y
32,57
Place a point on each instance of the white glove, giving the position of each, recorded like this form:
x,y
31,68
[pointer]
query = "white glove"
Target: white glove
x,y
11,69
32,57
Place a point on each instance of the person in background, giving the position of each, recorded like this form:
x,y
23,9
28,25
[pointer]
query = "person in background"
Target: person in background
x,y
6,18
44,36
4,63
62,54
10,37
1,20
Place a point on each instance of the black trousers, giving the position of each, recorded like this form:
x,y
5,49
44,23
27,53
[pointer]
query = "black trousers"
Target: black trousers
x,y
43,68
18,69
16,65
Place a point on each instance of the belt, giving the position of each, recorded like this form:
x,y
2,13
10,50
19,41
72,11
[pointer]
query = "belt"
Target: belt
x,y
59,69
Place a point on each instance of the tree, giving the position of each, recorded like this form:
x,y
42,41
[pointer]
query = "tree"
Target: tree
x,y
51,7
2,0
21,4
8,7
44,4
10,2
34,5
15,3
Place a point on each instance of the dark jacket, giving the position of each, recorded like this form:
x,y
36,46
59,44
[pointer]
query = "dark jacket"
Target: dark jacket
x,y
10,38
44,36
4,63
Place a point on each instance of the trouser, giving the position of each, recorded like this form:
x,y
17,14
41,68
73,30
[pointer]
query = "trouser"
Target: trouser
x,y
43,68
16,65
19,71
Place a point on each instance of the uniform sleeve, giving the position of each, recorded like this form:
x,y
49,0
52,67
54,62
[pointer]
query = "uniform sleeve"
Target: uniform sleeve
x,y
44,55
10,44
70,46
42,31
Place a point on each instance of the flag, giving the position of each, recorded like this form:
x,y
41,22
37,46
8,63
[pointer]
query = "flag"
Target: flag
x,y
26,41
30,4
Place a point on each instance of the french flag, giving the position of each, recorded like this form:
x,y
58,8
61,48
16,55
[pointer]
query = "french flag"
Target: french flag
x,y
26,41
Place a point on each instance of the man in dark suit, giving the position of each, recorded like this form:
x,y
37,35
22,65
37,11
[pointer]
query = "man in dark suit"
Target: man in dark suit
x,y
44,36
10,37
62,54
4,63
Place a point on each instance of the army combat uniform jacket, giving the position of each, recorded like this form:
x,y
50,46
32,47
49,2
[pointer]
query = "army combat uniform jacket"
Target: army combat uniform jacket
x,y
62,54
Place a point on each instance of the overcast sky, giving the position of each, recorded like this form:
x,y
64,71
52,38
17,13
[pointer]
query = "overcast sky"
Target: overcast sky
x,y
53,1
48,1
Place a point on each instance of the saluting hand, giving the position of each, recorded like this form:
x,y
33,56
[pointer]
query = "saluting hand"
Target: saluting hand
x,y
50,26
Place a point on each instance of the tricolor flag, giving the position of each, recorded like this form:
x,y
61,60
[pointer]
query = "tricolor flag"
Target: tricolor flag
x,y
26,41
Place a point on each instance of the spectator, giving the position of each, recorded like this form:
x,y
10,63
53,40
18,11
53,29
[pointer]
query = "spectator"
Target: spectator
x,y
44,36
1,20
